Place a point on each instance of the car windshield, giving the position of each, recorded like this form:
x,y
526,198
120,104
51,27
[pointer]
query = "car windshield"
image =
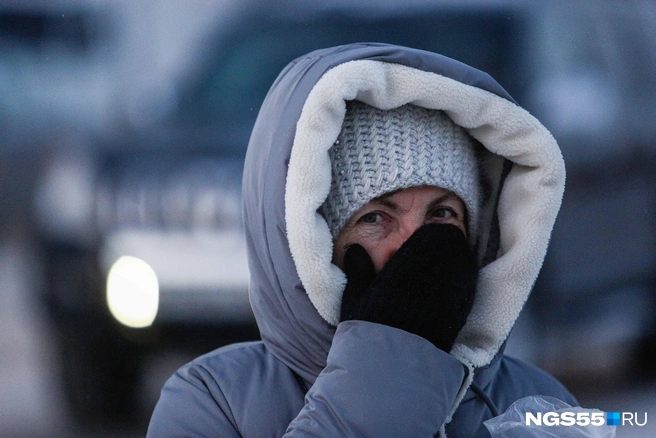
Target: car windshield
x,y
246,62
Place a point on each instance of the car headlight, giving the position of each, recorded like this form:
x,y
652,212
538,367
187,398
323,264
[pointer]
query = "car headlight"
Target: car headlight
x,y
132,292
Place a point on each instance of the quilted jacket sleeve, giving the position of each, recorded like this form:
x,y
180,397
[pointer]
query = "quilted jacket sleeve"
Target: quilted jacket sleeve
x,y
379,382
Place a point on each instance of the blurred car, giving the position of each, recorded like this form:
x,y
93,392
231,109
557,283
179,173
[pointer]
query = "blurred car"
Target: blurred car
x,y
594,305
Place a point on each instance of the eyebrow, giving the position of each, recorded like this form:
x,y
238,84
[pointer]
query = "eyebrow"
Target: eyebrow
x,y
446,197
385,200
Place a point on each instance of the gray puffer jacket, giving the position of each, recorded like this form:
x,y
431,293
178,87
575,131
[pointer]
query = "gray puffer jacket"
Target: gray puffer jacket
x,y
313,376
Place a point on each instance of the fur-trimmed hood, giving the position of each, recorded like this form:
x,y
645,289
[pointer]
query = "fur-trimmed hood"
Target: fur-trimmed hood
x,y
295,291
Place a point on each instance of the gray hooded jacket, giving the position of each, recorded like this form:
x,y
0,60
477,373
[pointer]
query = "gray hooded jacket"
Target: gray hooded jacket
x,y
313,376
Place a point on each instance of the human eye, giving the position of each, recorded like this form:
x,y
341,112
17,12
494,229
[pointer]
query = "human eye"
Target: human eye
x,y
372,217
443,213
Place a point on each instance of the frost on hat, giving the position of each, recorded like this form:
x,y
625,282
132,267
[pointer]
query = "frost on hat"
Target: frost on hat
x,y
380,151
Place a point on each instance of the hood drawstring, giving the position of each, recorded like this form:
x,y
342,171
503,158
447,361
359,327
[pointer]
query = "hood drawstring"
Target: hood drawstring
x,y
469,379
486,399
468,383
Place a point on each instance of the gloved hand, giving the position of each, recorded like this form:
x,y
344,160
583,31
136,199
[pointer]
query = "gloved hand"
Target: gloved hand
x,y
427,287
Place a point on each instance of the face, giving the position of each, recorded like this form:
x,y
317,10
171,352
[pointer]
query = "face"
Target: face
x,y
382,225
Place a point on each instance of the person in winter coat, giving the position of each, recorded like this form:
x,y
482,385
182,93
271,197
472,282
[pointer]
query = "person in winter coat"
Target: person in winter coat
x,y
398,206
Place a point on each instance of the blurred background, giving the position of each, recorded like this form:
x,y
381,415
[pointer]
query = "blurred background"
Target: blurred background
x,y
123,128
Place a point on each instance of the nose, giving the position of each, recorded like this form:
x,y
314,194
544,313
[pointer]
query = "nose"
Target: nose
x,y
406,228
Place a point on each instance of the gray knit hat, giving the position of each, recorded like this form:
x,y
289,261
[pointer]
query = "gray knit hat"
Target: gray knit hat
x,y
379,151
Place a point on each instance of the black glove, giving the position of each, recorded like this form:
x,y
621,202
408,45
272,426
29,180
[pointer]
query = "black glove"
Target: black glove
x,y
427,287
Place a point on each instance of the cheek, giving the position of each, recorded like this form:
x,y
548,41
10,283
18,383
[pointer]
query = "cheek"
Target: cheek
x,y
373,243
378,250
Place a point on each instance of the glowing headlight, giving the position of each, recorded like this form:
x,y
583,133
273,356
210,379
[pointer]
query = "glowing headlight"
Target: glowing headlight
x,y
132,292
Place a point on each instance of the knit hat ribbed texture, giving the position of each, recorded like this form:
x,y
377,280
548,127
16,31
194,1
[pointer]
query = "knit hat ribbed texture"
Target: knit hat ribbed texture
x,y
381,151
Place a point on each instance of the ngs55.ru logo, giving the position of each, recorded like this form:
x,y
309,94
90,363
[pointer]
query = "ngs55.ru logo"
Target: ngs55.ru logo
x,y
561,418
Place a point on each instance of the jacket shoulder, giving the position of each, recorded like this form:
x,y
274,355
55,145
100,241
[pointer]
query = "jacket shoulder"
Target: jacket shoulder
x,y
225,359
215,392
519,379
